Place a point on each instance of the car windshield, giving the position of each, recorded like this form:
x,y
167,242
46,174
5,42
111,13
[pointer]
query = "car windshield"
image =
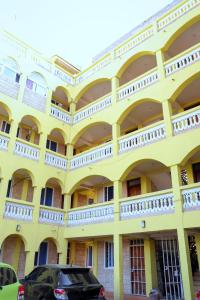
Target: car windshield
x,y
77,276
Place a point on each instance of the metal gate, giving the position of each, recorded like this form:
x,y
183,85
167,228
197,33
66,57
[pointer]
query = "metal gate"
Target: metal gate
x,y
168,268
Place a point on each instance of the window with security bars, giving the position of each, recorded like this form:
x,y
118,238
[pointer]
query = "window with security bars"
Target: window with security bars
x,y
109,255
138,284
108,193
184,177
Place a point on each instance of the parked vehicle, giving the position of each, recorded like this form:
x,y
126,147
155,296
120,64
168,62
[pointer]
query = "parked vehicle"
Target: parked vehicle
x,y
10,288
55,282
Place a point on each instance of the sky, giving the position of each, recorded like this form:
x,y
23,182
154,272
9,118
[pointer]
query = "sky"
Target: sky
x,y
76,30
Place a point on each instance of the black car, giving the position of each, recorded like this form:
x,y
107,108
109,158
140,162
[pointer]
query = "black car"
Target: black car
x,y
63,282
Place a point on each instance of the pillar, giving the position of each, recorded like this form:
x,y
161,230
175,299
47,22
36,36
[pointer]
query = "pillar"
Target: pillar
x,y
3,191
73,253
115,136
13,134
63,253
176,183
95,258
117,197
160,63
42,145
145,185
185,263
72,108
114,86
118,268
48,101
189,173
23,79
30,257
150,265
167,112
16,254
25,190
36,201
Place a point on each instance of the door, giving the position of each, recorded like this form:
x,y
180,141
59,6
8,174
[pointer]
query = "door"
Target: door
x,y
8,284
133,187
42,255
168,269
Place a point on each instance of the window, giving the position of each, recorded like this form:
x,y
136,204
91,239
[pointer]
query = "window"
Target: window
x,y
196,172
5,127
133,187
46,196
109,254
9,189
7,276
10,73
108,193
89,257
51,145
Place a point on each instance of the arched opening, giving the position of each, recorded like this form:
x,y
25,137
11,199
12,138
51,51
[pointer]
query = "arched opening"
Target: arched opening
x,y
51,194
182,40
4,119
20,186
10,70
146,176
137,67
190,169
36,84
140,115
92,190
56,142
93,92
60,99
47,253
13,253
28,130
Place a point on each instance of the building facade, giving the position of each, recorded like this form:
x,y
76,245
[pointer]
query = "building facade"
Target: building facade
x,y
101,168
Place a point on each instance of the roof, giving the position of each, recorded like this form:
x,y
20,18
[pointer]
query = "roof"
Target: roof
x,y
57,266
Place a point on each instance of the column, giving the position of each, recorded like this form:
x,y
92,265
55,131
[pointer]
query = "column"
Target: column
x,y
67,206
118,268
95,258
72,108
13,134
114,85
167,112
48,101
160,63
25,190
117,197
70,150
189,173
150,265
185,263
176,183
115,136
42,145
30,257
36,201
63,253
23,79
3,192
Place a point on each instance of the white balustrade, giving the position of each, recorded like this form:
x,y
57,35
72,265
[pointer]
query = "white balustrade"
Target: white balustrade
x,y
51,217
92,109
142,138
18,211
24,150
177,13
191,198
4,142
186,122
91,215
158,204
137,85
61,115
55,161
89,157
183,61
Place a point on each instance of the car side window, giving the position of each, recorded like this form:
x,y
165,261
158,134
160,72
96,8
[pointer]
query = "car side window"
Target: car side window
x,y
35,274
7,276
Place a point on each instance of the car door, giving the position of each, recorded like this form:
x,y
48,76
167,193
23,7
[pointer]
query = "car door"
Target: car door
x,y
31,283
8,284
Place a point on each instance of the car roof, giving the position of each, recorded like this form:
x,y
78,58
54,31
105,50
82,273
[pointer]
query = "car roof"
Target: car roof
x,y
57,266
2,264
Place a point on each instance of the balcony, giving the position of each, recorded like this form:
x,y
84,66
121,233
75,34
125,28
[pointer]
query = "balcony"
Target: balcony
x,y
51,215
186,121
191,197
9,87
97,213
138,84
4,139
60,114
27,150
91,156
93,108
55,160
153,204
142,137
18,211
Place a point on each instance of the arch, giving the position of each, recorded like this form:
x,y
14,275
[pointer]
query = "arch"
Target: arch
x,y
127,170
63,88
53,239
7,109
11,63
35,120
24,240
77,184
133,105
179,31
132,59
189,155
61,132
24,171
57,180
89,86
38,78
83,130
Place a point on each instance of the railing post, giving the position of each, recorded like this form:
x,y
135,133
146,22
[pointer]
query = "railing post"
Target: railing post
x,y
167,112
118,267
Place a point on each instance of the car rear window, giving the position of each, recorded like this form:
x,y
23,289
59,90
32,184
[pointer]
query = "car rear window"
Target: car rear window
x,y
73,276
7,276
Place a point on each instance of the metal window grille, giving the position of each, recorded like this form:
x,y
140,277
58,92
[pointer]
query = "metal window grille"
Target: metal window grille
x,y
109,255
138,284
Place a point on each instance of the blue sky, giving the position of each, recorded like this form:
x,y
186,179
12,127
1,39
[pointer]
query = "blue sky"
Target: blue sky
x,y
76,30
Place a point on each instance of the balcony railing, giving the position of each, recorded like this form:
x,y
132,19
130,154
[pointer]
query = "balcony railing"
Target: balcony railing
x,y
51,216
98,213
161,203
28,150
60,114
9,87
183,60
4,142
91,156
138,84
55,160
34,100
93,108
19,211
142,137
186,121
191,198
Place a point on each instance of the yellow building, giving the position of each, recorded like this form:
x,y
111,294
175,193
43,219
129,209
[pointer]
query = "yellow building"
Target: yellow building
x,y
101,167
